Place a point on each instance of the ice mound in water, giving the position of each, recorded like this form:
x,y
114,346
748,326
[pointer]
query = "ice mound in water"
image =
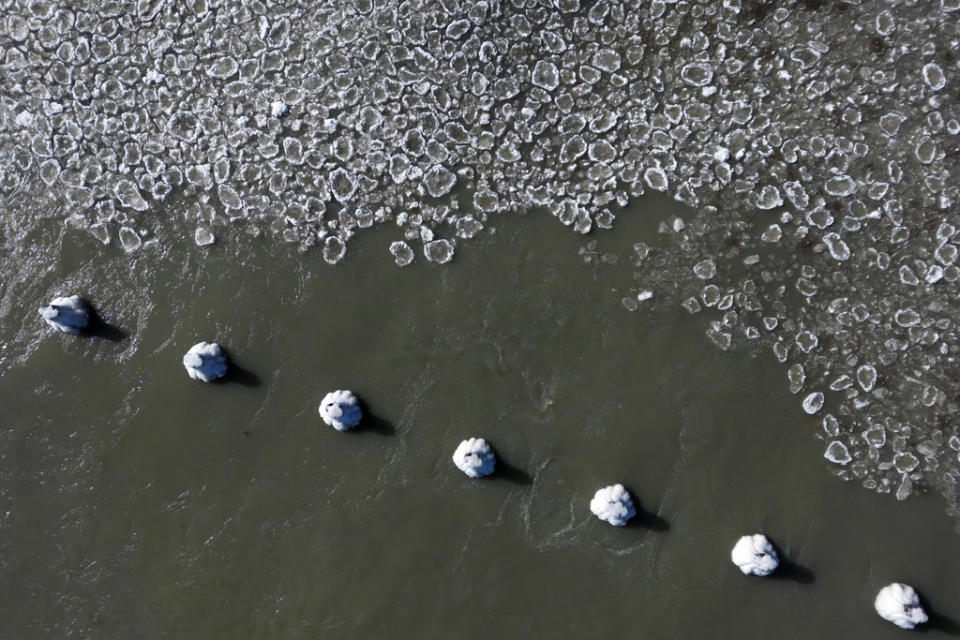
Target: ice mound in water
x,y
205,361
613,504
898,603
755,555
340,410
474,458
67,313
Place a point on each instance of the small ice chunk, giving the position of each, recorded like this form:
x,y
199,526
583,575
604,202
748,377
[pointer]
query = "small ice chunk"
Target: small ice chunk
x,y
439,251
755,555
205,361
933,76
402,253
838,248
341,410
837,453
867,376
813,402
705,269
475,458
278,108
203,237
343,184
613,504
439,181
899,603
773,233
334,249
129,195
66,313
545,75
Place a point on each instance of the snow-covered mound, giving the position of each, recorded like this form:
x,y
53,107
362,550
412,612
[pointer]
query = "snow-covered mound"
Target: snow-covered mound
x,y
475,458
755,555
68,314
205,361
898,603
340,410
613,504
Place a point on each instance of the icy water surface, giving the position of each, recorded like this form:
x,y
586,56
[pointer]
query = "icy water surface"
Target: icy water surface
x,y
817,140
137,502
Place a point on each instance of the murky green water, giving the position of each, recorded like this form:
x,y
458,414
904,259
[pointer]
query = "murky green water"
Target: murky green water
x,y
136,502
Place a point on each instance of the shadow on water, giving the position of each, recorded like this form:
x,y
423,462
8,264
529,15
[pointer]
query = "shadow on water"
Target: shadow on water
x,y
101,329
372,423
937,622
511,473
788,570
649,521
237,374
644,519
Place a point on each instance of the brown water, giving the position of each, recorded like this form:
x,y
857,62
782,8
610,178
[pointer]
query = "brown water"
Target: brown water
x,y
135,502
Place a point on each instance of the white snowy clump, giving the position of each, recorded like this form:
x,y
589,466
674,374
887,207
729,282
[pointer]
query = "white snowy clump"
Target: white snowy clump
x,y
205,361
340,410
755,555
475,458
67,313
898,603
613,504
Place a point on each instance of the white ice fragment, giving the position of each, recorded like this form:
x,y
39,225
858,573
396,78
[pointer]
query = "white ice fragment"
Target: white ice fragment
x,y
837,453
705,269
840,185
475,458
402,253
838,248
755,555
343,184
25,119
644,295
613,504
439,181
129,196
66,313
439,251
545,75
905,462
334,249
867,376
906,317
697,74
656,179
899,603
341,410
153,77
813,402
769,198
129,239
205,361
933,75
278,108
203,237
773,233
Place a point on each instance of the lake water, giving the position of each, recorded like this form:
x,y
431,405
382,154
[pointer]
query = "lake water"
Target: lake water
x,y
136,502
